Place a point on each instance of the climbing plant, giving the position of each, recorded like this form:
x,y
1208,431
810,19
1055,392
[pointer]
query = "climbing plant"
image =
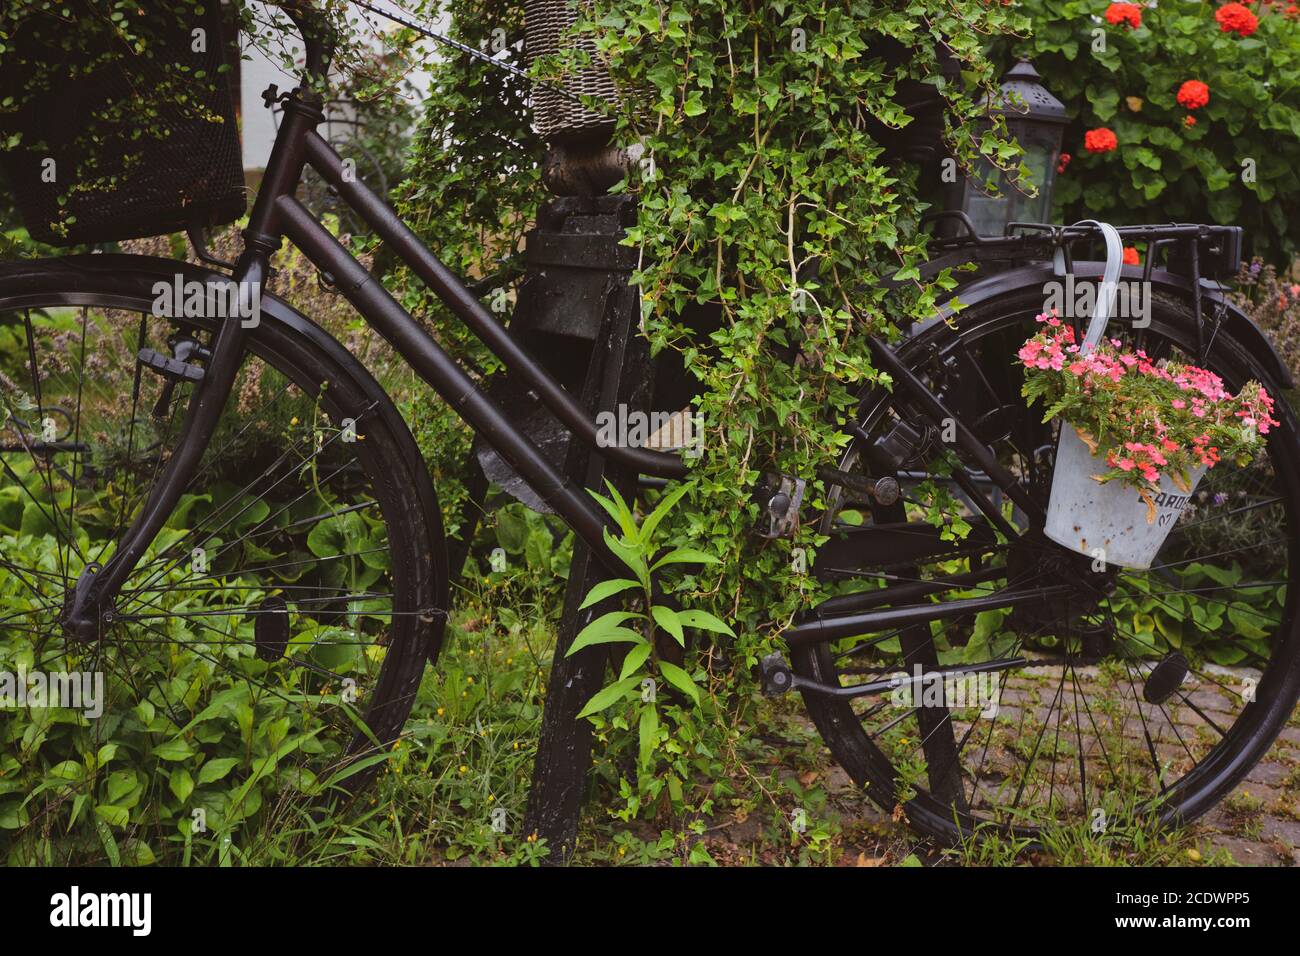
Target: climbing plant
x,y
769,218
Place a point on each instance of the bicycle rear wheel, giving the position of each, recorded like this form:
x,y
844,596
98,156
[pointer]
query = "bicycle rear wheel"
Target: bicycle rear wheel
x,y
1083,734
278,627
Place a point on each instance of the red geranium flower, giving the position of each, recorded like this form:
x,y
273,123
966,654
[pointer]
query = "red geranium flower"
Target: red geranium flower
x,y
1293,11
1235,18
1193,94
1129,13
1189,120
1131,257
1100,140
1063,162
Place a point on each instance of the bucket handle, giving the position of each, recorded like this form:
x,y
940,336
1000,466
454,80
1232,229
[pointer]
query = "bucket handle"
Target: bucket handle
x,y
1109,284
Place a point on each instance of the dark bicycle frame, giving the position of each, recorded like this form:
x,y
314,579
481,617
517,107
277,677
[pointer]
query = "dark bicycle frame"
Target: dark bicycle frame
x,y
277,214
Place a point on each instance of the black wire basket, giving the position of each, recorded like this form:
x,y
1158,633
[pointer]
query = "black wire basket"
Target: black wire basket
x,y
120,144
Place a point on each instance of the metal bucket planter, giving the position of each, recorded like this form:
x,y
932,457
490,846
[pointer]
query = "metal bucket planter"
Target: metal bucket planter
x,y
1085,515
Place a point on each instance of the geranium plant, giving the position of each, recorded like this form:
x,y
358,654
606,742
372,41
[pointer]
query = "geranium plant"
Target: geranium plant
x,y
1180,111
1148,419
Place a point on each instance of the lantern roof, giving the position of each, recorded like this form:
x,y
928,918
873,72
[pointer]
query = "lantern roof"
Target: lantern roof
x,y
1024,80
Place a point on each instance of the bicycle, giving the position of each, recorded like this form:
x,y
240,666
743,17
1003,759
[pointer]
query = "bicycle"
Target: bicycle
x,y
324,563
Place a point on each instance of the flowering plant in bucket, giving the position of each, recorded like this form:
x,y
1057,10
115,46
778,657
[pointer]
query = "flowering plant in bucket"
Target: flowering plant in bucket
x,y
1145,420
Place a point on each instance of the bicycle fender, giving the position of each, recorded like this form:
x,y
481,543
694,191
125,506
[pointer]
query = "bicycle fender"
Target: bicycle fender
x,y
1235,321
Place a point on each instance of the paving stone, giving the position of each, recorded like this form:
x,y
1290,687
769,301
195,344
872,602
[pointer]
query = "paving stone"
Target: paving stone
x,y
1285,755
837,781
1257,792
1245,852
1212,700
1270,773
1216,819
1282,830
745,832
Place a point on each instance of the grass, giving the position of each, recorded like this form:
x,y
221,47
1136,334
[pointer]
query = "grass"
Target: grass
x,y
457,786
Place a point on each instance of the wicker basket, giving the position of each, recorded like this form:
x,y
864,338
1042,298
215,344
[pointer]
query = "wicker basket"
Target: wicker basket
x,y
557,117
185,170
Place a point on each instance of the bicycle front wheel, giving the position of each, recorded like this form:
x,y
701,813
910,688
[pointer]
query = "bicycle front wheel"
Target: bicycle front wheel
x,y
278,627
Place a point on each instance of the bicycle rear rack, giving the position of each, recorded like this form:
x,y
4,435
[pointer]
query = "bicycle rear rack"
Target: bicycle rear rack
x,y
1212,252
1196,251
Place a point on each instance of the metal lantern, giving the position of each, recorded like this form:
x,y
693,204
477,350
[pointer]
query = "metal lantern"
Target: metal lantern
x,y
1036,121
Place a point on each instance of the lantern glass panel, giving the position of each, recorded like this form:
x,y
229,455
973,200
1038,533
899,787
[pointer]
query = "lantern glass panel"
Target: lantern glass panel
x,y
990,214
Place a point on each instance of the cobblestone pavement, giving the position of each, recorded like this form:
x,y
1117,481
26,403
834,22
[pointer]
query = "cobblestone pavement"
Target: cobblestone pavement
x,y
1258,824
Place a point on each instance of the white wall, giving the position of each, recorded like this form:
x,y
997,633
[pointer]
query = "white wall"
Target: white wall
x,y
258,71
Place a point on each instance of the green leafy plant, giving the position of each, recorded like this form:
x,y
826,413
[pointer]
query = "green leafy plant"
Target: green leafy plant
x,y
643,664
768,207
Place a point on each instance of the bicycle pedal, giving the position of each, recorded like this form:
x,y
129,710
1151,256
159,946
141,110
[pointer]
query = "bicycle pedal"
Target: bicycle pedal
x,y
271,629
1165,678
779,497
172,369
776,675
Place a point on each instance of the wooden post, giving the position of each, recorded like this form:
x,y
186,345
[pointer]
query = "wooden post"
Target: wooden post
x,y
620,373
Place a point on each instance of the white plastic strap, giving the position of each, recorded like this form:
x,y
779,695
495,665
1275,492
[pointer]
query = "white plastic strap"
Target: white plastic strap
x,y
1109,284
